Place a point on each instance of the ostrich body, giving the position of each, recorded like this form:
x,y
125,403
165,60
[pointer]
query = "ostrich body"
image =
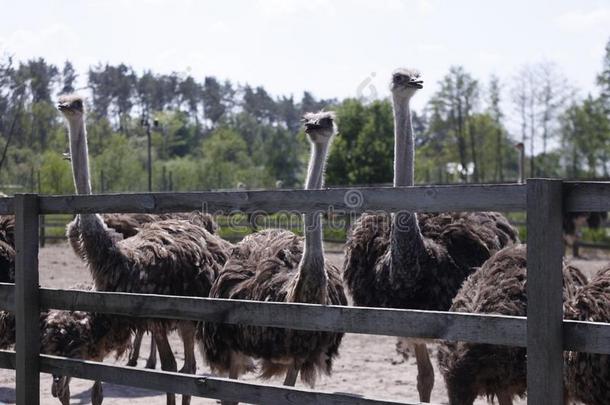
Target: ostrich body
x,y
129,225
7,249
171,257
498,287
74,334
411,261
86,336
587,373
279,266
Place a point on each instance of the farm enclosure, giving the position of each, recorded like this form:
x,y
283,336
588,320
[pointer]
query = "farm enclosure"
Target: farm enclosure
x,y
546,338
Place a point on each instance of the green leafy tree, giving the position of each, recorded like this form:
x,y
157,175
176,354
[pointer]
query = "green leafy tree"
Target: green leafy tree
x,y
56,175
364,149
226,161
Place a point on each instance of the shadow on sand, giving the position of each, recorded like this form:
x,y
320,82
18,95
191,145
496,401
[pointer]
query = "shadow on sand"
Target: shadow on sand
x,y
113,391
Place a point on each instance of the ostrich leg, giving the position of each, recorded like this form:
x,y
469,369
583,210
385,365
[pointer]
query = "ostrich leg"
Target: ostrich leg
x,y
168,361
61,389
291,376
152,356
504,398
233,374
135,351
425,372
97,394
187,332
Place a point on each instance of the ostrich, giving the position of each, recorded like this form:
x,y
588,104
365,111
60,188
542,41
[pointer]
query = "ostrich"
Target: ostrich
x,y
587,373
175,257
411,261
574,221
498,287
277,265
129,225
7,249
86,336
74,334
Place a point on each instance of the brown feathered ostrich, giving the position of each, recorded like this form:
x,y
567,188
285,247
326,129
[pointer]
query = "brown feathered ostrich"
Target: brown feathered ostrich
x,y
129,225
498,287
86,336
279,266
411,261
587,373
7,249
175,257
74,334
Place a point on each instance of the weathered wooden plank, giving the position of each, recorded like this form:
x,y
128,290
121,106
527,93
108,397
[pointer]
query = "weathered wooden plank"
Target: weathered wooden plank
x,y
421,198
579,196
201,386
27,309
544,292
592,337
7,205
7,297
587,196
376,321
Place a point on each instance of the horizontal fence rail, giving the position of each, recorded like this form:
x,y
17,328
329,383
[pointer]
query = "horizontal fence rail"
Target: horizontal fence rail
x,y
506,198
474,328
197,385
579,196
375,321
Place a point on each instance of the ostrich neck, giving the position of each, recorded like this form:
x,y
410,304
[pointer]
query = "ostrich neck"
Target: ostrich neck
x,y
407,240
98,245
312,275
80,156
404,149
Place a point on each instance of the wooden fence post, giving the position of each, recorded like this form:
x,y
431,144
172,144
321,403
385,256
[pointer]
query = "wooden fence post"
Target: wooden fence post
x,y
27,307
544,292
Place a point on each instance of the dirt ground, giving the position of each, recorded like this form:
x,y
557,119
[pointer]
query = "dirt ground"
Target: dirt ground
x,y
368,365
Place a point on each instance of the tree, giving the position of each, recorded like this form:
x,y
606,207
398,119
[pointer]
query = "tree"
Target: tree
x,y
496,115
603,79
552,91
213,100
226,162
586,132
259,104
454,103
524,99
363,151
68,78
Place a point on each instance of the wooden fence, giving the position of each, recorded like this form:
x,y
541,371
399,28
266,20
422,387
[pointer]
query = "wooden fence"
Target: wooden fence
x,y
543,332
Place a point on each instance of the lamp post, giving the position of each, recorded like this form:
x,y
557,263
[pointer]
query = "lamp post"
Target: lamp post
x,y
146,124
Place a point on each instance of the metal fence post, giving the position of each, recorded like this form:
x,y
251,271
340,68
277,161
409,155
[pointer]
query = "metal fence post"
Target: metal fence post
x,y
544,292
27,306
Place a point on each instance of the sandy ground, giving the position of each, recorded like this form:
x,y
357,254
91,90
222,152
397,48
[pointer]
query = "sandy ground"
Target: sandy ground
x,y
367,365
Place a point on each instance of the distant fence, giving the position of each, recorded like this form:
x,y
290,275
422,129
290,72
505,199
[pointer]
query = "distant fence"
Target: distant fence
x,y
53,229
544,333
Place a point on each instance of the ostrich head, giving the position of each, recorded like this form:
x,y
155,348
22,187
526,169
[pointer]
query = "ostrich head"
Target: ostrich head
x,y
71,106
320,126
406,82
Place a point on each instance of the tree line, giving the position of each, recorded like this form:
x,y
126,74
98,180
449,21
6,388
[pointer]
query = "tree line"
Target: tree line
x,y
209,134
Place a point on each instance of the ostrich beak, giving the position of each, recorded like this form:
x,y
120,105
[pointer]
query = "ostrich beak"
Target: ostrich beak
x,y
418,84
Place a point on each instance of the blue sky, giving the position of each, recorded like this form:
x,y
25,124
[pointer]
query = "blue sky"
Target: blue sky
x,y
333,48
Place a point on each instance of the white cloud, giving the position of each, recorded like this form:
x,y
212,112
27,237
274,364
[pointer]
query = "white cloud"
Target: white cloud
x,y
431,48
577,20
282,8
